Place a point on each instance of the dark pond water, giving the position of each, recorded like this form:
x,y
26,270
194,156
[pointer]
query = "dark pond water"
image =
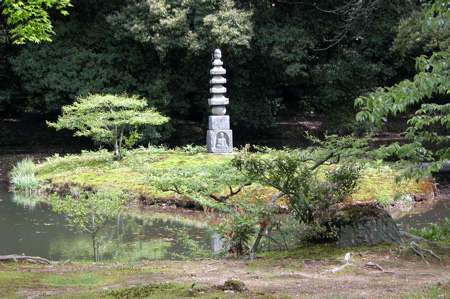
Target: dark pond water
x,y
425,213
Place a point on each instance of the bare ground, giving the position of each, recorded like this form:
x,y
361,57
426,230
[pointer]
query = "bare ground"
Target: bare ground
x,y
396,277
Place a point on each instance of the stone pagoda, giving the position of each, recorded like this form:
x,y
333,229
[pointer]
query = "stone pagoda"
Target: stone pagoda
x,y
219,138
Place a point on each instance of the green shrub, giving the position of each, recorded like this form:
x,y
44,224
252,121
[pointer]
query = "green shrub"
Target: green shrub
x,y
191,149
23,175
434,232
238,233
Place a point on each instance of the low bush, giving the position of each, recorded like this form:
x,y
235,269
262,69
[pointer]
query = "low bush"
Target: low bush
x,y
434,232
23,175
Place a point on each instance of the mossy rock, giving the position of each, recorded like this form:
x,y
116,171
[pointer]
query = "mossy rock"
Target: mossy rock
x,y
234,285
365,225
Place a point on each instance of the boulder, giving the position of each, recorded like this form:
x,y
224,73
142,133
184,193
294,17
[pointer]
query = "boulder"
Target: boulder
x,y
365,225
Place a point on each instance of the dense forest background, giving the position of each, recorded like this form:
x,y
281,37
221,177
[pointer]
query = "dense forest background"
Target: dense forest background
x,y
286,60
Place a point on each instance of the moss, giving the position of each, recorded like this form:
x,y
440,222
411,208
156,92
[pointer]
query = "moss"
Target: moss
x,y
234,285
349,214
167,290
324,251
97,169
94,170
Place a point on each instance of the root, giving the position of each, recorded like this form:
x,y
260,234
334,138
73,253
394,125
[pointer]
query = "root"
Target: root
x,y
15,258
420,239
347,257
337,269
417,249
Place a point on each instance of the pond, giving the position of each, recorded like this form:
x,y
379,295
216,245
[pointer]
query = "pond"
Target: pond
x,y
424,213
30,227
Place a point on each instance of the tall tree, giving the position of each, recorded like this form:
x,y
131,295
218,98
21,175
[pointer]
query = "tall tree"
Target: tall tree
x,y
83,58
429,121
288,57
30,20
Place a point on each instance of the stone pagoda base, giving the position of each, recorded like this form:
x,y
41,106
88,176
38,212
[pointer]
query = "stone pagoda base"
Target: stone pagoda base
x,y
219,141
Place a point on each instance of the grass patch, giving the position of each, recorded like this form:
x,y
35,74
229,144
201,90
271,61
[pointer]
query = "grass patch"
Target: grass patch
x,y
378,184
273,267
324,251
435,290
97,169
79,279
23,175
9,280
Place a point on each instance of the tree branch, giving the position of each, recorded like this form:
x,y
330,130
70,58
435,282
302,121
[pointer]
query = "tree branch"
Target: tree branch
x,y
261,229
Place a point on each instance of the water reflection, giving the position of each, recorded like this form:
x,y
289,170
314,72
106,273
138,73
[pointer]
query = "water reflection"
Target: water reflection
x,y
30,227
27,200
434,211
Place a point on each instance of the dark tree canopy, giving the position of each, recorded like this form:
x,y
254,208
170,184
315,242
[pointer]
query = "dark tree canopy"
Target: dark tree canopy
x,y
287,58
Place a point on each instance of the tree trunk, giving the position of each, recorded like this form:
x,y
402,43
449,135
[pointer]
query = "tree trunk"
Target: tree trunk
x,y
364,225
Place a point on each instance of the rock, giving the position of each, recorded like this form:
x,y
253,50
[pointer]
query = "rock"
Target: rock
x,y
365,225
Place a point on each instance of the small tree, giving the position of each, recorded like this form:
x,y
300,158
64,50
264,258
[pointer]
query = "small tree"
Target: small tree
x,y
219,187
295,173
104,118
90,212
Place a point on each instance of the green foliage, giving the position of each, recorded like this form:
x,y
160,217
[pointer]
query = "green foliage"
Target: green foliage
x,y
90,212
318,233
219,187
78,67
206,184
30,20
438,15
161,50
191,25
434,232
411,40
191,149
84,57
104,118
306,177
23,175
336,79
130,141
428,126
238,233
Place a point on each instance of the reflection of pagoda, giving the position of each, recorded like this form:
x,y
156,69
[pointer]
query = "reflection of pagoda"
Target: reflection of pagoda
x,y
219,138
